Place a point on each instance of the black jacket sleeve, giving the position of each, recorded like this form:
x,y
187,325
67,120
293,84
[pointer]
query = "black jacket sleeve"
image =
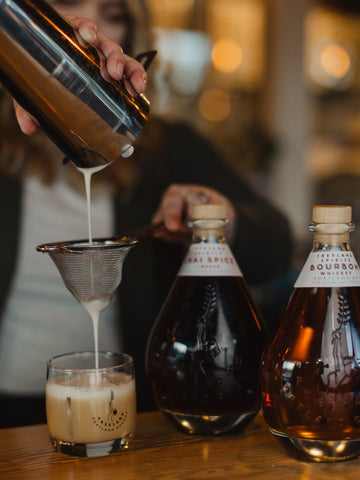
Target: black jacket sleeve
x,y
262,243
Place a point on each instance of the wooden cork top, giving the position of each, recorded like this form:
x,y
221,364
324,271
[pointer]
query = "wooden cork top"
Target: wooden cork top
x,y
208,211
331,214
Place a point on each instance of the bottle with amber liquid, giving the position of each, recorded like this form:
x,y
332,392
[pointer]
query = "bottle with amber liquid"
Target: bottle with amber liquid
x,y
204,352
310,374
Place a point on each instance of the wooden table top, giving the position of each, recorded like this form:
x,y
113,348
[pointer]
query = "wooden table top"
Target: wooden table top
x,y
160,452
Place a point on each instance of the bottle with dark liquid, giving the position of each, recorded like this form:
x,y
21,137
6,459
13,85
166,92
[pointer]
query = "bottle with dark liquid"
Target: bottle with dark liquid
x,y
311,371
204,351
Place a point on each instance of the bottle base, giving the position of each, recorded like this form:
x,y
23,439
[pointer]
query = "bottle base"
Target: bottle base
x,y
320,450
210,424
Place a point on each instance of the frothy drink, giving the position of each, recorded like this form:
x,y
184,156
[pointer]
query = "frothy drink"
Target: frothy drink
x,y
91,408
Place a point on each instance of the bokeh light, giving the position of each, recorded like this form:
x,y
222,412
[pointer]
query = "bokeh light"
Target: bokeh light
x,y
227,55
335,60
214,105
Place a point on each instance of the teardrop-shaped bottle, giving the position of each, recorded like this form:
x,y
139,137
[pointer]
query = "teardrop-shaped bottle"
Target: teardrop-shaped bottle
x,y
310,374
204,351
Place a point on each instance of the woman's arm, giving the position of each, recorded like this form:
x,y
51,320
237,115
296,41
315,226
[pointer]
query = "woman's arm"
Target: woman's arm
x,y
260,238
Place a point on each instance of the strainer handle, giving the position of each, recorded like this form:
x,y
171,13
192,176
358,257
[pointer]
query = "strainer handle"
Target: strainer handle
x,y
141,232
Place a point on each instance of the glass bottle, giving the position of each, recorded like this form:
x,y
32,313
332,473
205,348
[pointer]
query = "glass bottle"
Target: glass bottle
x,y
310,374
204,351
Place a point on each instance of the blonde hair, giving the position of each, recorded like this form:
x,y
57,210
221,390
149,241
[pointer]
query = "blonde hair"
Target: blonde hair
x,y
139,37
22,155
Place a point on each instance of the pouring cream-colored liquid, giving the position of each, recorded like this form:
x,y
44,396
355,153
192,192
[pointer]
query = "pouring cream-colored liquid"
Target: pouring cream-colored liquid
x,y
88,173
93,307
93,409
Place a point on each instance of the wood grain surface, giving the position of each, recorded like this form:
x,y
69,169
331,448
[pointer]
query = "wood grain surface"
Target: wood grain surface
x,y
160,452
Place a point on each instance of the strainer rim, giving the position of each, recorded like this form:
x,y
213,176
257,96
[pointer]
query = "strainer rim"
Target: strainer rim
x,y
78,246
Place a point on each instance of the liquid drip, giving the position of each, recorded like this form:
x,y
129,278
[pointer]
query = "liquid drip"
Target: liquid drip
x,y
88,172
93,307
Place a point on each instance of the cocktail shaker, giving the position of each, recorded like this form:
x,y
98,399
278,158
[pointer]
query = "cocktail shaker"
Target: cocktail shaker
x,y
59,81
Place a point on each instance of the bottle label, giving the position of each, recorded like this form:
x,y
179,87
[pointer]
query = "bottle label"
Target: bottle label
x,y
329,269
209,259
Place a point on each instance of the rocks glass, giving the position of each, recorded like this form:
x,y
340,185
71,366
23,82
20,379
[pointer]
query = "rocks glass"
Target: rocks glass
x,y
90,411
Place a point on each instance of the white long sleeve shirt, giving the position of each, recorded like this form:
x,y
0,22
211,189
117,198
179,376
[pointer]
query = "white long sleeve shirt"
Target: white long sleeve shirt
x,y
42,318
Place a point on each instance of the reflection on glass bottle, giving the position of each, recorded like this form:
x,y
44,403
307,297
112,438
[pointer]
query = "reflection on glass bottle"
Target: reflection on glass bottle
x,y
311,370
204,351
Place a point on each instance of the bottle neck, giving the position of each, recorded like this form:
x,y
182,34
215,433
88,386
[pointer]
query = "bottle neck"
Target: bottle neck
x,y
331,236
209,231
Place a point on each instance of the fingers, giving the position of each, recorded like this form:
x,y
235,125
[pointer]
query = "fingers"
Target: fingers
x,y
171,208
86,28
28,124
175,207
135,75
118,64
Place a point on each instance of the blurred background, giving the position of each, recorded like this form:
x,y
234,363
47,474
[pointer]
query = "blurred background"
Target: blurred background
x,y
276,85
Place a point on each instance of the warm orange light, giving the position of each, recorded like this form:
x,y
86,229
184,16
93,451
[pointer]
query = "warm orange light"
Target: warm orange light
x,y
227,55
214,105
301,348
335,60
170,14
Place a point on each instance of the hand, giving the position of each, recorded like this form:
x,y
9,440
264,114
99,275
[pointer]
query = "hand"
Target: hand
x,y
175,209
118,65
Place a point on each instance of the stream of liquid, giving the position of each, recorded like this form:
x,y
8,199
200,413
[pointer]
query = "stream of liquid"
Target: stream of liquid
x,y
88,173
93,307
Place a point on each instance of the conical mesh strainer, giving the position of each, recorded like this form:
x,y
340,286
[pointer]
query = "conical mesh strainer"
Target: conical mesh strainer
x,y
90,271
93,272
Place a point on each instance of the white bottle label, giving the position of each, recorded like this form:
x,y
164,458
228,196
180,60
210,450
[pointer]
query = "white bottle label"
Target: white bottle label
x,y
329,269
209,259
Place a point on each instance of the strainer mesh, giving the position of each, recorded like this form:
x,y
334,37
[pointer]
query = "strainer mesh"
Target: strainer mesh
x,y
91,274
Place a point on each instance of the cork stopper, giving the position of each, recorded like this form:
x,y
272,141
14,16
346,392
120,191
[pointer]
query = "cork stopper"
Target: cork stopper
x,y
208,211
331,214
